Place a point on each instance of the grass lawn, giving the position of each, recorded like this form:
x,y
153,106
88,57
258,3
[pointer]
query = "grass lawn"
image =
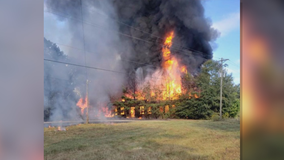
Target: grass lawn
x,y
145,140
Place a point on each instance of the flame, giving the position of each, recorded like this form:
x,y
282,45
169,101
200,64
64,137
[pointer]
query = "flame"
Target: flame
x,y
167,79
106,112
142,110
82,105
122,111
132,112
166,49
169,76
173,70
167,108
183,69
115,110
61,128
161,109
196,96
149,110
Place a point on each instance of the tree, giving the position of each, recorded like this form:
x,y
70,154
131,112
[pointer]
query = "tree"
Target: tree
x,y
208,83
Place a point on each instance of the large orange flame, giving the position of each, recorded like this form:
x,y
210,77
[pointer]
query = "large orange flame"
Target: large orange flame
x,y
173,70
170,76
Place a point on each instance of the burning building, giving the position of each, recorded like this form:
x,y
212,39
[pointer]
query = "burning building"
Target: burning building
x,y
152,44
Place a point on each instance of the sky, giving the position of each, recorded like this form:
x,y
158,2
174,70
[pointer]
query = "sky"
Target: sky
x,y
225,17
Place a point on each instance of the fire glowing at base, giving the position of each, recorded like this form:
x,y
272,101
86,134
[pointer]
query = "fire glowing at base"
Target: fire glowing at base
x,y
107,112
61,128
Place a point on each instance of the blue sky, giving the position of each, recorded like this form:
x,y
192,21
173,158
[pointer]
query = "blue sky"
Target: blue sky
x,y
225,17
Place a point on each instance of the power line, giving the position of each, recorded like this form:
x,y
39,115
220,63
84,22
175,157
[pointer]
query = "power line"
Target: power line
x,y
60,44
96,68
78,65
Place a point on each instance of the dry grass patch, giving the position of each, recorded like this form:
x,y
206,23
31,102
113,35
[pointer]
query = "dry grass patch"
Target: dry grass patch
x,y
146,140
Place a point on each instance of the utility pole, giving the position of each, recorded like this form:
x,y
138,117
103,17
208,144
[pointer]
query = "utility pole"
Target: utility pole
x,y
87,95
134,86
87,83
221,85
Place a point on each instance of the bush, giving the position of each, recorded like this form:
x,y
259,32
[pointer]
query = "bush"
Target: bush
x,y
167,115
226,115
215,117
193,109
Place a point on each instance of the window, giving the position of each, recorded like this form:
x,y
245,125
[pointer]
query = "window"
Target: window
x,y
149,110
122,111
142,110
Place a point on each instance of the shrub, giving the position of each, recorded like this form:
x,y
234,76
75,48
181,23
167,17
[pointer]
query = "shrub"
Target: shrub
x,y
226,115
215,117
167,115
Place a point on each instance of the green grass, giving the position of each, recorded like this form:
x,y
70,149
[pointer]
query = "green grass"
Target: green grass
x,y
146,140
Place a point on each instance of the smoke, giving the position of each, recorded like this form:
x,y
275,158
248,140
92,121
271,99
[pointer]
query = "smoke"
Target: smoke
x,y
101,51
124,36
153,20
59,81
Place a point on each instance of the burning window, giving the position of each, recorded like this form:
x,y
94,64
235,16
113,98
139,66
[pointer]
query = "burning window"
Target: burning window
x,y
167,108
149,110
115,111
122,111
132,112
142,110
161,109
